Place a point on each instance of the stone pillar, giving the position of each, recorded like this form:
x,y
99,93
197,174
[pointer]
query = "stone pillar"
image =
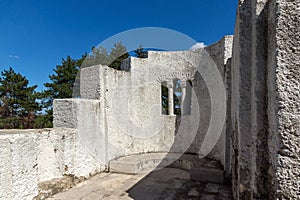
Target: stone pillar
x,y
186,97
249,100
171,97
265,97
183,96
284,98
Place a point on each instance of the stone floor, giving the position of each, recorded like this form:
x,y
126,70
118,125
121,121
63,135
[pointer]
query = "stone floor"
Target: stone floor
x,y
166,183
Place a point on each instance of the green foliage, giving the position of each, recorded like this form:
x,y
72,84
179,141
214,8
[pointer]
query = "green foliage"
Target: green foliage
x,y
117,54
177,97
164,99
101,56
17,101
19,107
141,52
61,87
43,120
62,81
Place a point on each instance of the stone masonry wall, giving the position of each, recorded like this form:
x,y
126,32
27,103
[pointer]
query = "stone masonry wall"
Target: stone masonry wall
x,y
265,87
130,103
250,159
284,97
221,53
29,157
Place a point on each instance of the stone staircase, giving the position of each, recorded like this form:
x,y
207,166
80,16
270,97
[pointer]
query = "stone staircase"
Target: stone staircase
x,y
204,170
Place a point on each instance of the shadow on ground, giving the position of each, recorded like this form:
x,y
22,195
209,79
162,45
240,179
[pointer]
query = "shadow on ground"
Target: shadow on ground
x,y
171,183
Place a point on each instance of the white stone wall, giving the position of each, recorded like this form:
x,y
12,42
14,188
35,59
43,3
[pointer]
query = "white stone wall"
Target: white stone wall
x,y
119,114
284,97
221,53
265,100
249,102
262,84
19,172
29,157
130,119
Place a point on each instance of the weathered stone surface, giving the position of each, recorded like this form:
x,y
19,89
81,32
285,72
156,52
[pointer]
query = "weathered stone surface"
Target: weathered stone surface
x,y
130,117
160,184
193,193
90,82
147,162
19,172
58,185
221,53
143,128
265,89
207,175
208,197
119,114
284,95
249,100
212,188
29,157
65,113
95,129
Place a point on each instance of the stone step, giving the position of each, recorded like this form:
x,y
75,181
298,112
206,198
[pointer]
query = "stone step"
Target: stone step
x,y
204,170
139,163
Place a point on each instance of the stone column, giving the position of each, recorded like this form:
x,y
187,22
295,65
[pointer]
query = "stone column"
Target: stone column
x,y
284,97
265,100
249,102
183,96
171,97
186,97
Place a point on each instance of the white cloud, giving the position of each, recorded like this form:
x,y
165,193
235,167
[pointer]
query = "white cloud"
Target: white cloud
x,y
14,56
198,45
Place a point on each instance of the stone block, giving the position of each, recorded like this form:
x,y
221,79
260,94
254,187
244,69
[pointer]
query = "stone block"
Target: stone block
x,y
125,167
65,113
90,82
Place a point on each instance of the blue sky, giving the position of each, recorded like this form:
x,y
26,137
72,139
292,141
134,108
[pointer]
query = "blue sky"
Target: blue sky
x,y
36,34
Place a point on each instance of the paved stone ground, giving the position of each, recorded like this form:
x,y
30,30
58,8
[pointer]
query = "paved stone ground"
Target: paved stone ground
x,y
167,183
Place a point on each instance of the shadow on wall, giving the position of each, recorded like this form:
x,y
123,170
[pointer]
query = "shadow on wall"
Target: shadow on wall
x,y
172,177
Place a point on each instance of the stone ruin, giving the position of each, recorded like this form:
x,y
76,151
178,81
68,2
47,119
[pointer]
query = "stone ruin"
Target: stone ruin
x,y
120,115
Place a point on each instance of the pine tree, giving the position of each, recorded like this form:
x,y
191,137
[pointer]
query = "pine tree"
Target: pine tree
x,y
63,79
99,56
18,104
117,54
141,52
